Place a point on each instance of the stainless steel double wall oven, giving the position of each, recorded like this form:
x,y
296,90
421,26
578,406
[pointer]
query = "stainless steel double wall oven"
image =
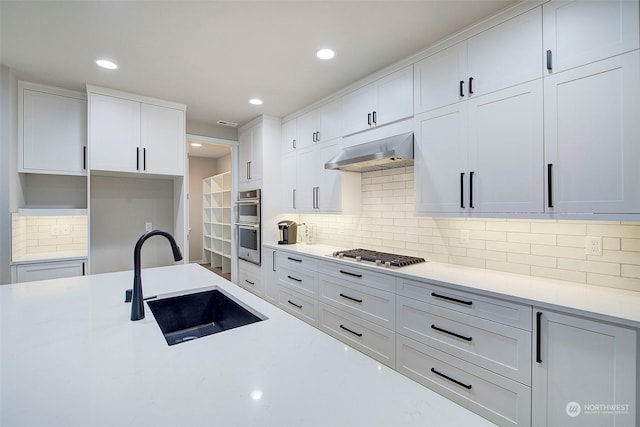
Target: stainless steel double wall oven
x,y
249,224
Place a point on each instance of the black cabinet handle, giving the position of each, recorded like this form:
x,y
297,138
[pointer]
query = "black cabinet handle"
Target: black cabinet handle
x,y
538,336
318,136
293,278
549,62
294,259
350,298
249,282
350,274
444,297
462,190
349,330
273,261
375,118
550,185
83,268
294,304
451,333
471,190
369,119
470,85
248,170
461,88
293,143
460,383
144,159
137,158
84,159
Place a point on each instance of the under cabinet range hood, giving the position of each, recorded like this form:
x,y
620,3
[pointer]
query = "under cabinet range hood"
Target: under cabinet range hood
x,y
392,152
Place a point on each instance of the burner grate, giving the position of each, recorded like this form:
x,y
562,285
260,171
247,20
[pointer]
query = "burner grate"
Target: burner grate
x,y
394,260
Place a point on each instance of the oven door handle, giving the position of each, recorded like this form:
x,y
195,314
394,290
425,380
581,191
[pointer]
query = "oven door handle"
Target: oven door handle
x,y
247,225
248,202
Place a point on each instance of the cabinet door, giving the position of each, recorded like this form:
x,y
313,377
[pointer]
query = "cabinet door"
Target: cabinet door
x,y
579,363
163,140
330,118
114,134
289,136
307,127
440,153
579,32
329,183
245,139
270,276
289,182
394,97
506,55
54,133
506,150
255,168
591,137
306,178
441,79
357,109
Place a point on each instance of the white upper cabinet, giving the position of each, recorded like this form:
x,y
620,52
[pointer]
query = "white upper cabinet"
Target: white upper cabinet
x,y
580,32
250,148
500,57
130,133
319,125
289,136
386,100
289,181
52,130
591,137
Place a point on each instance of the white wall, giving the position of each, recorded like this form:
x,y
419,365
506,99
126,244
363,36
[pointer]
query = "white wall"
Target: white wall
x,y
8,163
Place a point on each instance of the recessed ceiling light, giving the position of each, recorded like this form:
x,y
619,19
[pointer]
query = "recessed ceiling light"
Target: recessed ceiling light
x,y
105,63
196,144
255,101
325,54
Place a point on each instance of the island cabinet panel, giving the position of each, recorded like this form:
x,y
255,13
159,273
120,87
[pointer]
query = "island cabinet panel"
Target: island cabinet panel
x,y
584,372
495,397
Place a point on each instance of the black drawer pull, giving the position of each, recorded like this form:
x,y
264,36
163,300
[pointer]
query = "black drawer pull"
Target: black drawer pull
x,y
550,185
461,88
294,259
444,297
349,330
350,274
249,282
467,386
549,61
294,304
293,278
350,298
538,337
451,333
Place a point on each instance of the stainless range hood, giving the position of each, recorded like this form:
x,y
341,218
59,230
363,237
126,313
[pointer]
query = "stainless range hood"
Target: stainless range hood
x,y
392,152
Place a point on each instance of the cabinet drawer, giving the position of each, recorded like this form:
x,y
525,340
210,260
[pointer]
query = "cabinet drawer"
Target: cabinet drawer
x,y
299,305
495,309
49,270
299,279
498,399
500,348
368,303
356,274
296,261
250,280
369,338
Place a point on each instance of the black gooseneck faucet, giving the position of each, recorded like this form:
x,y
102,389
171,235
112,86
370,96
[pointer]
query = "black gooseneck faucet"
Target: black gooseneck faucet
x,y
137,302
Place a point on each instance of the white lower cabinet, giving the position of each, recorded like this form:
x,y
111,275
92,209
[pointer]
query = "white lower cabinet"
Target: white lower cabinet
x,y
584,372
49,270
250,278
301,306
270,275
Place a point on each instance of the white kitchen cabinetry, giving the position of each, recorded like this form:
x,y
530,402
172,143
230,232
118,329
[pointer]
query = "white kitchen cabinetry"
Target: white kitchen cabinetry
x,y
500,57
216,203
29,272
297,291
250,139
319,125
386,100
591,137
250,277
52,130
130,133
580,32
289,136
288,170
270,275
484,155
581,364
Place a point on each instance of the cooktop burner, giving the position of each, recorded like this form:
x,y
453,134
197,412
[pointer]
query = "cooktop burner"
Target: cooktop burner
x,y
379,258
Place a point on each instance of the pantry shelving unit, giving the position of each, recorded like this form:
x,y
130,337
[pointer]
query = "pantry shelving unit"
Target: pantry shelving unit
x,y
216,203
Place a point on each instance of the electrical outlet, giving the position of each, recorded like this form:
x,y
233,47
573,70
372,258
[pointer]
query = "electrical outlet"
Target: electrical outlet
x,y
593,245
464,237
148,226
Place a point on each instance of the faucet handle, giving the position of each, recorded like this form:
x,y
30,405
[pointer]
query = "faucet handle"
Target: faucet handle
x,y
128,295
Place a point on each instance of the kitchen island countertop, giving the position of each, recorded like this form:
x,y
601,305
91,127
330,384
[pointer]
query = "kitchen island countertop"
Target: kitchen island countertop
x,y
70,356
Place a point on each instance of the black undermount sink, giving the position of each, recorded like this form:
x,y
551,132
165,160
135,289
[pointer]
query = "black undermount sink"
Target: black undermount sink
x,y
194,315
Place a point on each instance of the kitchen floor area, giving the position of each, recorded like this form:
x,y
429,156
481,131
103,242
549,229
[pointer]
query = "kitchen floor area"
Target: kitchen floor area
x,y
218,271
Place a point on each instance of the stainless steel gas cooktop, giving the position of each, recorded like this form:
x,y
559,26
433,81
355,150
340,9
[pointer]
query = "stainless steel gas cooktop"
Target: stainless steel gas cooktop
x,y
382,259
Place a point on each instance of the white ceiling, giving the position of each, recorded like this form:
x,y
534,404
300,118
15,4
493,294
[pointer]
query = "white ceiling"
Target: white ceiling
x,y
215,55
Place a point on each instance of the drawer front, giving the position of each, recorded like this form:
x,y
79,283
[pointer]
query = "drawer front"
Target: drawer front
x,y
299,305
368,303
359,275
495,309
49,270
498,399
369,338
251,281
290,260
300,280
500,348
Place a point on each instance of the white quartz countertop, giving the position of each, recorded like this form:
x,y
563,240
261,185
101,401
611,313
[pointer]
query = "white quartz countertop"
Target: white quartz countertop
x,y
600,302
70,356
